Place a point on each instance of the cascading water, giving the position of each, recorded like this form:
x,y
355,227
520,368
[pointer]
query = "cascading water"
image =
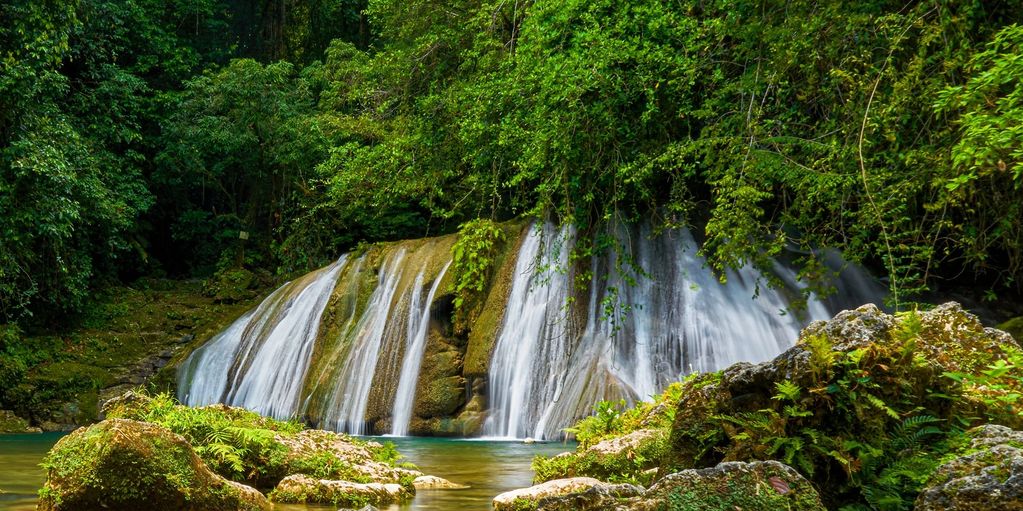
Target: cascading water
x,y
346,409
260,361
654,313
412,362
345,347
529,354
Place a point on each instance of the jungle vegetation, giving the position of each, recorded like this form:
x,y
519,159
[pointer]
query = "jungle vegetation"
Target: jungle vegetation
x,y
140,137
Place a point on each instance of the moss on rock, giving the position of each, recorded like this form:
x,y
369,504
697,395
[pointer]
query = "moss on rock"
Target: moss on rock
x,y
122,464
730,486
301,488
10,423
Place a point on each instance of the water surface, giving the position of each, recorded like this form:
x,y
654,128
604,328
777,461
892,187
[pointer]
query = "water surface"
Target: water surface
x,y
487,467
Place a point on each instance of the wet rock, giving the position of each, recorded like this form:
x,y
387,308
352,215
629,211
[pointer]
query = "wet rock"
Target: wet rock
x,y
435,483
760,485
518,499
990,479
301,488
122,464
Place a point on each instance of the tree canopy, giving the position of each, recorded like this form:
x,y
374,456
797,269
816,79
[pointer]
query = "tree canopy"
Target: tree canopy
x,y
140,137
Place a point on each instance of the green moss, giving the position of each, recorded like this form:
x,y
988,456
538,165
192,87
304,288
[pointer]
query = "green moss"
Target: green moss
x,y
131,465
743,490
120,328
522,504
486,319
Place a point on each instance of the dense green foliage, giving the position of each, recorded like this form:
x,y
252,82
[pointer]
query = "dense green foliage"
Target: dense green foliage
x,y
132,143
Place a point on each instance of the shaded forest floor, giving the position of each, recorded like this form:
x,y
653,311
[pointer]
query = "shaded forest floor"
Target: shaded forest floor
x,y
131,335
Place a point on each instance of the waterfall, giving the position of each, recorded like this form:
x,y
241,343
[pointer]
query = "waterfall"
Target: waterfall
x,y
528,357
416,345
260,361
346,408
345,347
654,313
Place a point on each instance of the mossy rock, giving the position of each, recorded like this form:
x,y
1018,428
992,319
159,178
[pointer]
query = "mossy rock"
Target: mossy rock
x,y
302,489
232,286
11,423
729,486
622,459
121,464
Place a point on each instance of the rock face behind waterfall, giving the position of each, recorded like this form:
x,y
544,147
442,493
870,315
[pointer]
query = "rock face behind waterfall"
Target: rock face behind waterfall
x,y
879,392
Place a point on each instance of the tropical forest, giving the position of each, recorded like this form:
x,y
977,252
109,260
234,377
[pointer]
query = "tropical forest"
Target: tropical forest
x,y
511,255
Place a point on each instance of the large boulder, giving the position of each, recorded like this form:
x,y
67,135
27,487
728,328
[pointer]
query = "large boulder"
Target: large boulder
x,y
122,464
906,358
301,488
990,478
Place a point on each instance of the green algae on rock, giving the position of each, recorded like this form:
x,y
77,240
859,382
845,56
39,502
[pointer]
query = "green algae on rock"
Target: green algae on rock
x,y
121,464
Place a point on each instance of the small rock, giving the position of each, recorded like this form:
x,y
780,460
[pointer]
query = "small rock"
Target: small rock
x,y
558,487
300,488
185,339
11,423
435,483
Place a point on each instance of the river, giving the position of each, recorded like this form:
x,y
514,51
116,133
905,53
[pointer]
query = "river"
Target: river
x,y
487,467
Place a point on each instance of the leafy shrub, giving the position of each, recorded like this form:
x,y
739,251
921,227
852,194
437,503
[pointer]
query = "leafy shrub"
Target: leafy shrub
x,y
474,254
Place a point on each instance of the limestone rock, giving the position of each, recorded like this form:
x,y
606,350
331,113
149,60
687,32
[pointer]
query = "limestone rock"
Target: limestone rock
x,y
989,479
300,488
618,445
1014,327
509,501
599,497
121,464
760,485
435,483
313,442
